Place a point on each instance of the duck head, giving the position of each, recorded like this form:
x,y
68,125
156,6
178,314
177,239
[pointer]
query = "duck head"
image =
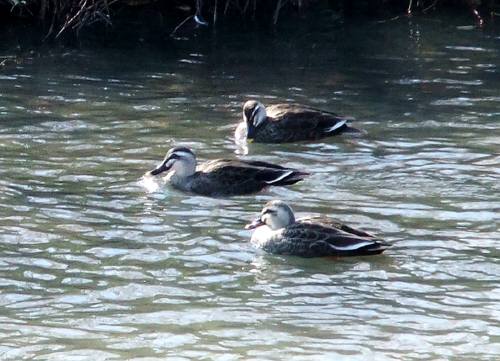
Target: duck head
x,y
179,159
275,214
254,114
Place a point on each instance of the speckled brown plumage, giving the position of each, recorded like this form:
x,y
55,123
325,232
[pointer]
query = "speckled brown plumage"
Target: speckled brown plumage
x,y
222,177
290,123
278,232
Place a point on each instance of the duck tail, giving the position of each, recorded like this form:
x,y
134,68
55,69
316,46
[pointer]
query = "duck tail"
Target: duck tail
x,y
296,176
378,246
354,131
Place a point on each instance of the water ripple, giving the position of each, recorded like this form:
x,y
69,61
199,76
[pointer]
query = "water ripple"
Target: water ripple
x,y
99,263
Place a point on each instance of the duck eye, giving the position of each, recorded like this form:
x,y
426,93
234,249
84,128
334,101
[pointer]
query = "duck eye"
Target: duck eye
x,y
268,211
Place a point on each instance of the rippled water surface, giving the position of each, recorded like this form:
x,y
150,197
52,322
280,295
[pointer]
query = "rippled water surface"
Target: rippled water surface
x,y
93,266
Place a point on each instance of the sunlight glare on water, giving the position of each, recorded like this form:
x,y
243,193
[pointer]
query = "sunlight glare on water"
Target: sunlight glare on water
x,y
150,183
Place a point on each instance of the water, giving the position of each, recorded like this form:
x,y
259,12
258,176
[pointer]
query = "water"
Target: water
x,y
93,266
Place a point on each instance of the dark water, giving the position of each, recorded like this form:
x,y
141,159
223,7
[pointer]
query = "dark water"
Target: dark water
x,y
94,266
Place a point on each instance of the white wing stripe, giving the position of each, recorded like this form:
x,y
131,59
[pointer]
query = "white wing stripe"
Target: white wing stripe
x,y
336,126
282,176
352,247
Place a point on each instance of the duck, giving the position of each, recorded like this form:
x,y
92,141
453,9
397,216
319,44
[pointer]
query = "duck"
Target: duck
x,y
288,122
222,177
308,237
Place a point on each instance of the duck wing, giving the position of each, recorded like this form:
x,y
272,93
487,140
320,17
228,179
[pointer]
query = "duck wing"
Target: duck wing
x,y
274,174
317,240
333,223
262,164
278,110
232,177
304,120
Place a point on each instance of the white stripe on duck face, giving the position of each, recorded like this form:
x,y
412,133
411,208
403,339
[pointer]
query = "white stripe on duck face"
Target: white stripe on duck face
x,y
259,115
257,107
183,154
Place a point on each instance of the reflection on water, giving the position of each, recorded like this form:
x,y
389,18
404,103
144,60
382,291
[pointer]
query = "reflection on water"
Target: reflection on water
x,y
150,183
99,263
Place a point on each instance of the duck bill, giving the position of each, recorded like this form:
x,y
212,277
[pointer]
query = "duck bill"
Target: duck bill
x,y
160,169
250,134
256,223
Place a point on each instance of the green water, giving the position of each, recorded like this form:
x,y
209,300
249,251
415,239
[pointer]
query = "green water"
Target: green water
x,y
94,266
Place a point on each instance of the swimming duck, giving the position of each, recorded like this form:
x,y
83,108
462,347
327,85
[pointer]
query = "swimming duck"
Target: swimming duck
x,y
281,123
223,177
310,236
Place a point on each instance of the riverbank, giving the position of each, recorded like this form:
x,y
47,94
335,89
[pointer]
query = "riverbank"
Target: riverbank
x,y
68,20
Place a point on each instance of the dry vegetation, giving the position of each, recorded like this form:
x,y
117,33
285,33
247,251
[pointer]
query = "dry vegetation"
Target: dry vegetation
x,y
58,17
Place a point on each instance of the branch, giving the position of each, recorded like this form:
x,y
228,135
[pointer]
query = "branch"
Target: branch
x,y
180,25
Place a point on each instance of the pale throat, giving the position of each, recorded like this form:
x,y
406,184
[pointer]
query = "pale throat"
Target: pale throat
x,y
182,170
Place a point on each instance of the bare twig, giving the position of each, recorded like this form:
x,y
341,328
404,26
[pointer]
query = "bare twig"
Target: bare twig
x,y
430,6
199,5
51,28
226,7
390,19
277,12
215,12
181,24
70,22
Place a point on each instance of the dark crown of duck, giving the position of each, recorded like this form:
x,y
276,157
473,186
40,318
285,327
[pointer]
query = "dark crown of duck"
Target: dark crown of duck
x,y
173,155
254,114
